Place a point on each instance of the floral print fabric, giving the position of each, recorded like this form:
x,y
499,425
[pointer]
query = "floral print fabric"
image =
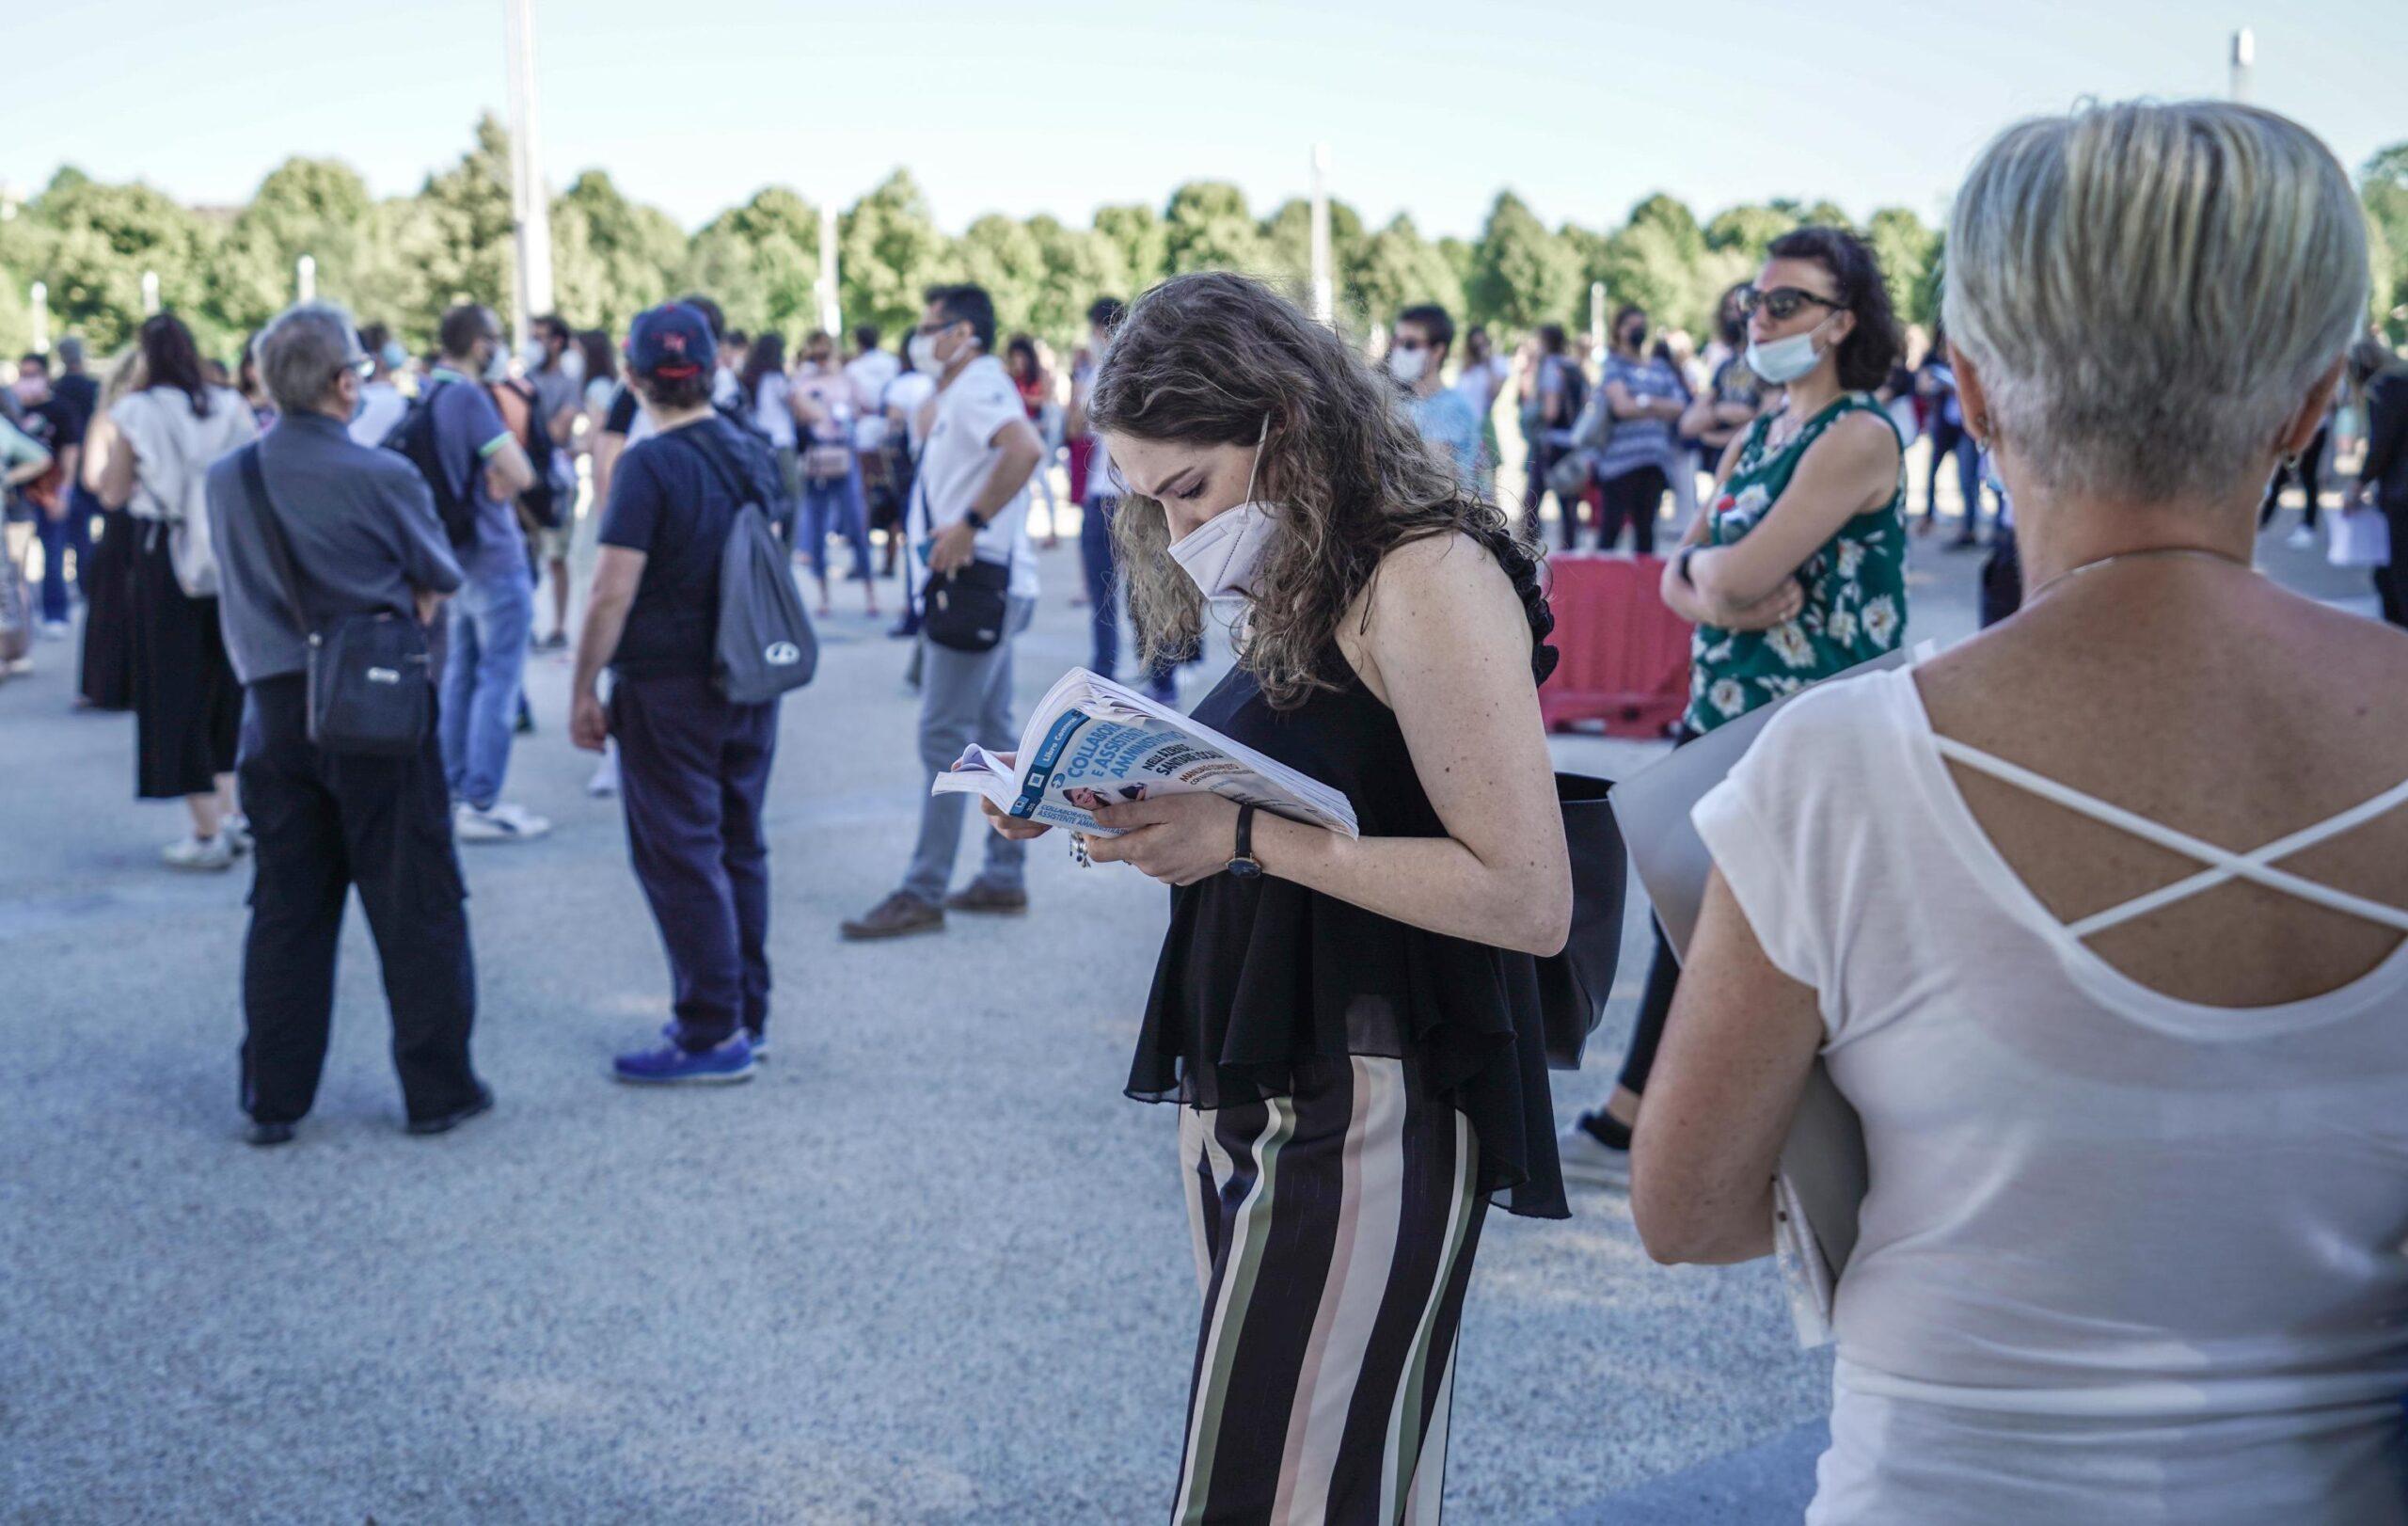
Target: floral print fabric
x,y
1856,584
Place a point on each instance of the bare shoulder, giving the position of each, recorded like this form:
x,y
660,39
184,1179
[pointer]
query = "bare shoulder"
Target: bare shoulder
x,y
1858,435
1446,577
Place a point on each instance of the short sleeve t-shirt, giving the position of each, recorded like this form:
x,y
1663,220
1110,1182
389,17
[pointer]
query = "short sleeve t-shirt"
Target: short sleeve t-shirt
x,y
669,500
75,398
958,458
1447,421
468,429
771,414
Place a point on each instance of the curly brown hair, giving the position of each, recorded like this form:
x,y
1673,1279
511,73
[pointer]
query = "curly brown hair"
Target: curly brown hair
x,y
1207,360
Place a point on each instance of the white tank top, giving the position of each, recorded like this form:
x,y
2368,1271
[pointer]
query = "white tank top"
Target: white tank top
x,y
2092,1205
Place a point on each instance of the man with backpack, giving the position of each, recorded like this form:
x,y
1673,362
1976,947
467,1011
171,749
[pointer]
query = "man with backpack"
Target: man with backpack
x,y
694,750
476,468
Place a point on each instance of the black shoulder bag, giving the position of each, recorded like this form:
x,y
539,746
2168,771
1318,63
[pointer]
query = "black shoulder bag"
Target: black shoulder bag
x,y
967,609
370,691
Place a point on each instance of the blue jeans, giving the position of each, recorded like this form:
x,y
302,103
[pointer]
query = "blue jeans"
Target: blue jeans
x,y
1101,559
837,498
491,618
58,536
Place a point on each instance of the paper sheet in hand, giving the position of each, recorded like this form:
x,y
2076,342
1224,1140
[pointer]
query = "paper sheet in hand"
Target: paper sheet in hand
x,y
1091,743
1823,1174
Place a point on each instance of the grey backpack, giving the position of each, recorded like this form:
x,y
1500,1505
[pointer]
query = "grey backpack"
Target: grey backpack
x,y
766,644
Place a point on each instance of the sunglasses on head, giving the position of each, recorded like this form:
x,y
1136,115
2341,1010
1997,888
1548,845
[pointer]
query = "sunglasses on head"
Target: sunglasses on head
x,y
1782,302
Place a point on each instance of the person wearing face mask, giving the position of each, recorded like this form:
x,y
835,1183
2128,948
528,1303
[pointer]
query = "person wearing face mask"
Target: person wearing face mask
x,y
1796,570
969,504
1349,1026
1418,348
1645,395
1735,394
822,399
490,619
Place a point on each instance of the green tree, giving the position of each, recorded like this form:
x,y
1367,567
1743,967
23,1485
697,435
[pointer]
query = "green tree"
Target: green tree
x,y
1748,229
1003,256
1394,269
103,238
317,207
890,252
1287,233
760,261
1909,252
1522,275
1143,243
460,225
611,258
1206,227
1077,266
2384,191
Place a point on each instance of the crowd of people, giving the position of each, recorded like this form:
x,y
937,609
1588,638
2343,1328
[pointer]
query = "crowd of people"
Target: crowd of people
x,y
1960,884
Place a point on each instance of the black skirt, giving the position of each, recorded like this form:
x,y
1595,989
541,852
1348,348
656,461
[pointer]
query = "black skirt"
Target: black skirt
x,y
188,708
108,609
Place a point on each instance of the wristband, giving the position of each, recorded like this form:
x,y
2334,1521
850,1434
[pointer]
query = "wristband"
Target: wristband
x,y
1680,564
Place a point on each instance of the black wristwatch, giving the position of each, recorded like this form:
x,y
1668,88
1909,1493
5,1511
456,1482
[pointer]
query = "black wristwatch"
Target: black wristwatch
x,y
1245,865
1680,564
977,520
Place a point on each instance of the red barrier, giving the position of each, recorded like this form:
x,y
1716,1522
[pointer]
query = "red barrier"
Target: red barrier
x,y
1625,657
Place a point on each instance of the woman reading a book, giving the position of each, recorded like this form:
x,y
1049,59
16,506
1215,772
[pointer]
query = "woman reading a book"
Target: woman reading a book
x,y
1350,1027
2109,966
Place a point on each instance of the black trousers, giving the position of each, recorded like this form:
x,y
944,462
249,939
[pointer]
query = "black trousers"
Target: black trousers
x,y
693,771
1635,497
2309,470
323,825
2001,587
188,704
2391,583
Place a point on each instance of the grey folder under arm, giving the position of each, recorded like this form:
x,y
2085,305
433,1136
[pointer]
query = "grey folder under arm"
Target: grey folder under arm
x,y
1823,1159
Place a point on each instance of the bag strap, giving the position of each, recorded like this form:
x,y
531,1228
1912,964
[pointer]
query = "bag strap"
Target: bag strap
x,y
729,477
279,551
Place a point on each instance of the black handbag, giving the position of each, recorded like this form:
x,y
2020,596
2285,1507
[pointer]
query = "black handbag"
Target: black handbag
x,y
1576,983
372,692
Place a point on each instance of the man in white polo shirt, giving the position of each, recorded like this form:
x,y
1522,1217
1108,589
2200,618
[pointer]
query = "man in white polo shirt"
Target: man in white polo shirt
x,y
969,504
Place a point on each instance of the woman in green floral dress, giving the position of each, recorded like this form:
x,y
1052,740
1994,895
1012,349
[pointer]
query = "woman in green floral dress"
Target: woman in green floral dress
x,y
1797,571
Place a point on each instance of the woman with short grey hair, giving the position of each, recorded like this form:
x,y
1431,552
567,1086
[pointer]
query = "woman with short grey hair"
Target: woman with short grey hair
x,y
2111,966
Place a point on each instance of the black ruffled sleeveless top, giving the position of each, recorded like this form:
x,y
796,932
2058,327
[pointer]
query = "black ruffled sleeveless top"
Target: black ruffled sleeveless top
x,y
1261,978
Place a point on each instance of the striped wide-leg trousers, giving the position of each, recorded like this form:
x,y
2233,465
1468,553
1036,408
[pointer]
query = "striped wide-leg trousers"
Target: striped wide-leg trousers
x,y
1334,1230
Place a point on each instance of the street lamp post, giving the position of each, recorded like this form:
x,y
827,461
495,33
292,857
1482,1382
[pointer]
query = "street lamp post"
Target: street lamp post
x,y
41,302
1597,316
304,279
150,294
530,206
2244,60
1324,290
831,315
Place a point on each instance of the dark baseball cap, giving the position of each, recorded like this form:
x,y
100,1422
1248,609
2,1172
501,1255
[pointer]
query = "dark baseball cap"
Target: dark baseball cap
x,y
672,340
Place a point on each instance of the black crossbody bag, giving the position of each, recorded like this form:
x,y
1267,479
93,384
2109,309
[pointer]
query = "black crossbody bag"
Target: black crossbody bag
x,y
371,691
967,609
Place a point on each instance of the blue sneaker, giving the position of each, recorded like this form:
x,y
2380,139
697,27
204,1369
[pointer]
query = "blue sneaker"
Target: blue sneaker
x,y
760,1041
669,1064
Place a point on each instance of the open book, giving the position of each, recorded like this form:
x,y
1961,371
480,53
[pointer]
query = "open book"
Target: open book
x,y
1091,743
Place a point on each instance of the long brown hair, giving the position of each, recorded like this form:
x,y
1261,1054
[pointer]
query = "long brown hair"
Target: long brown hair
x,y
1206,360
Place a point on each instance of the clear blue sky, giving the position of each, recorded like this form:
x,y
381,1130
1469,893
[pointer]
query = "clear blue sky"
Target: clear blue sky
x,y
1060,105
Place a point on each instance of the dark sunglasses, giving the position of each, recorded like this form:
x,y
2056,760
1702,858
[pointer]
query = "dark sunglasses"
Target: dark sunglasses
x,y
1782,302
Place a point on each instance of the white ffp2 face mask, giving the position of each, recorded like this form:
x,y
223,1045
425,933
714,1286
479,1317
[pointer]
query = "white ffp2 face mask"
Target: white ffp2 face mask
x,y
923,348
1407,366
1220,555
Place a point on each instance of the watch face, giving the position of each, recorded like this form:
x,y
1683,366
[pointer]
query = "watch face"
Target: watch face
x,y
1244,868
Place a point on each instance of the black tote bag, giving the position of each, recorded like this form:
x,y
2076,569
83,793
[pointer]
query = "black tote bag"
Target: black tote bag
x,y
1576,984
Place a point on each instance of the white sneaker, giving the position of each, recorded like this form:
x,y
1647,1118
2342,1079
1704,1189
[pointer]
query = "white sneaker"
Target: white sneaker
x,y
236,831
498,822
2301,538
54,631
604,782
200,855
1587,1158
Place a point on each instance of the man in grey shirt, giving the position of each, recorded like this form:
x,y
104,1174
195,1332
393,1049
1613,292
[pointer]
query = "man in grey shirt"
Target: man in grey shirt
x,y
360,528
